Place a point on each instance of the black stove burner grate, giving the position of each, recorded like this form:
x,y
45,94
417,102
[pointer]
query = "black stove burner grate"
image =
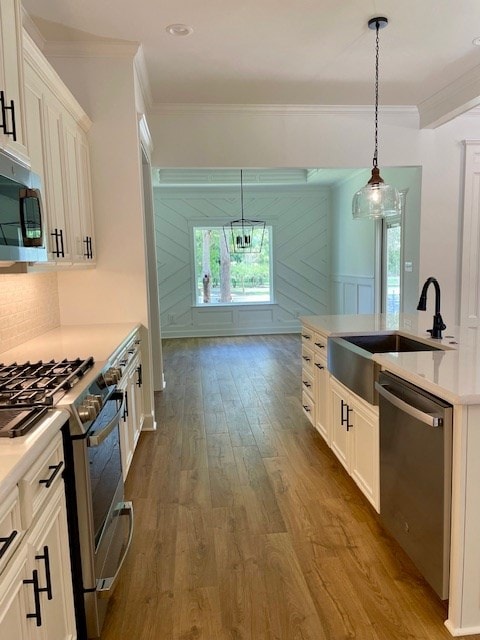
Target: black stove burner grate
x,y
39,383
17,422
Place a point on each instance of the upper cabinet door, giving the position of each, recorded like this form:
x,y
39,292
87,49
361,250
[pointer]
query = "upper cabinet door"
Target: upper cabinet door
x,y
11,80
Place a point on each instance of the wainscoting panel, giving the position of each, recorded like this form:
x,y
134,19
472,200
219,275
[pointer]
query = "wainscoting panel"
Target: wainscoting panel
x,y
299,217
352,294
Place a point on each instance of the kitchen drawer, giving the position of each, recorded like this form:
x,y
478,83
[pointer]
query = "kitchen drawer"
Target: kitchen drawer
x,y
307,383
307,336
10,527
320,343
40,481
308,407
307,360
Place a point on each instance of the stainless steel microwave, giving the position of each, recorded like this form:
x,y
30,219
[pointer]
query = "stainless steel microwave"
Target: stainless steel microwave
x,y
21,229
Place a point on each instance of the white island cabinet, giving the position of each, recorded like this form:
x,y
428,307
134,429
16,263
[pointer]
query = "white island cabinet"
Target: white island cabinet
x,y
36,595
352,431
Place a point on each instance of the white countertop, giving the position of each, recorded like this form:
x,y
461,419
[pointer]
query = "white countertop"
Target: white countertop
x,y
72,341
453,374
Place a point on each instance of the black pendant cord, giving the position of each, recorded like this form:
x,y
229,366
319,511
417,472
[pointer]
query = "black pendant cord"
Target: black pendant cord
x,y
375,155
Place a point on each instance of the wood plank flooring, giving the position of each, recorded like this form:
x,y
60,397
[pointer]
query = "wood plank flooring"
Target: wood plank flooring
x,y
246,526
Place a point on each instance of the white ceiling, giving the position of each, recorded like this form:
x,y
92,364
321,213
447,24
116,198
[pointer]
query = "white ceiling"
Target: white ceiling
x,y
283,51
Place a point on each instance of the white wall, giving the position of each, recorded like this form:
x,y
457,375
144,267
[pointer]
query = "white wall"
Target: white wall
x,y
299,220
331,137
116,291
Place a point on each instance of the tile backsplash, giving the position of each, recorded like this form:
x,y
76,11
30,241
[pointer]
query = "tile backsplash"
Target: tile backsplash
x,y
29,306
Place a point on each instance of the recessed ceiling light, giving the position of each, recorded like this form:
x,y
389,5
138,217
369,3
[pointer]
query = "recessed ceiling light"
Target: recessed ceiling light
x,y
476,41
179,29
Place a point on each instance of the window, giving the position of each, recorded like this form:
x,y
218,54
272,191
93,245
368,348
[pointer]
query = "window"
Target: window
x,y
225,277
392,261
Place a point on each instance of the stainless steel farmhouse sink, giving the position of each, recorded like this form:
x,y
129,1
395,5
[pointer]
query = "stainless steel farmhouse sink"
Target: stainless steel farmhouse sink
x,y
350,359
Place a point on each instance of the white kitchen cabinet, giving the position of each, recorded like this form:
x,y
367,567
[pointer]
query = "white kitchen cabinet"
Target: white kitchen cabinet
x,y
340,422
11,79
133,417
36,597
59,149
355,438
308,399
321,386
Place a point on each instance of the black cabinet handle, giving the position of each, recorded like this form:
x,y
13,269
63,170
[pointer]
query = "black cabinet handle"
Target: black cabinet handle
x,y
319,345
320,366
4,125
306,384
6,542
139,376
56,470
59,251
306,358
48,577
346,418
36,592
343,405
306,336
306,407
125,410
88,245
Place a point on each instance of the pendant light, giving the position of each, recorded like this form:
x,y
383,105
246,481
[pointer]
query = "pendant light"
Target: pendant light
x,y
376,199
246,236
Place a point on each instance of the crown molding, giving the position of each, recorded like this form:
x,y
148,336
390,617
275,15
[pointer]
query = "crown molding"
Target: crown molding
x,y
44,70
32,30
274,109
91,49
142,76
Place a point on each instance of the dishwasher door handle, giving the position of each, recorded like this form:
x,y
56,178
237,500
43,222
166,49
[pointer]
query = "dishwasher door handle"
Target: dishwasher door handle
x,y
426,418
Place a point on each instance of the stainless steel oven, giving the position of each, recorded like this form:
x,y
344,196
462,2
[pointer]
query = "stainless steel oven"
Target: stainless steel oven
x,y
100,520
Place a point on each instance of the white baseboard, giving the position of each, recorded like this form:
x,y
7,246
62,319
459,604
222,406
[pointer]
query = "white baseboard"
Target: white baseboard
x,y
195,332
461,631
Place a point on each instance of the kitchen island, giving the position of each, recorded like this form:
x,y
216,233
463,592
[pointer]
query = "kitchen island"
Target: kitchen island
x,y
453,374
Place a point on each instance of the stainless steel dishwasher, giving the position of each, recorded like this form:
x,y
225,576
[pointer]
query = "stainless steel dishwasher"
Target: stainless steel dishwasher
x,y
416,475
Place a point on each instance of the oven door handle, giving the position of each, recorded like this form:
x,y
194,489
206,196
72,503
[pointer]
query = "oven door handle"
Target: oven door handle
x,y
105,586
96,439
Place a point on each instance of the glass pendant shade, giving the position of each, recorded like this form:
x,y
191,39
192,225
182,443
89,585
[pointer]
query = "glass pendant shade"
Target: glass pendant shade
x,y
376,199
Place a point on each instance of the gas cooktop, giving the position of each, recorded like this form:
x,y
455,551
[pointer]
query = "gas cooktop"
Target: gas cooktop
x,y
28,390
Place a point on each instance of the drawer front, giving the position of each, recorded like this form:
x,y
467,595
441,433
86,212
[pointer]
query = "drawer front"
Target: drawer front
x,y
320,343
307,337
307,360
308,407
307,383
11,530
41,480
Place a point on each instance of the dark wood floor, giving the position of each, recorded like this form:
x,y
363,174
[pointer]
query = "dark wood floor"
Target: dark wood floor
x,y
247,527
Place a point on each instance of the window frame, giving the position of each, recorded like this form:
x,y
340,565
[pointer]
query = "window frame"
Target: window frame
x,y
201,224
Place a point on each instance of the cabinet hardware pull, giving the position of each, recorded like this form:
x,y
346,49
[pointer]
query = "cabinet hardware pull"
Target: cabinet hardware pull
x,y
320,366
139,374
86,254
319,345
56,251
62,251
343,405
36,592
125,410
4,126
348,425
306,407
56,470
306,336
306,358
6,542
48,577
307,384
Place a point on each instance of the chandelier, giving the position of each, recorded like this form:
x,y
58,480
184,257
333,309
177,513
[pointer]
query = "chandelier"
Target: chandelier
x,y
244,235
